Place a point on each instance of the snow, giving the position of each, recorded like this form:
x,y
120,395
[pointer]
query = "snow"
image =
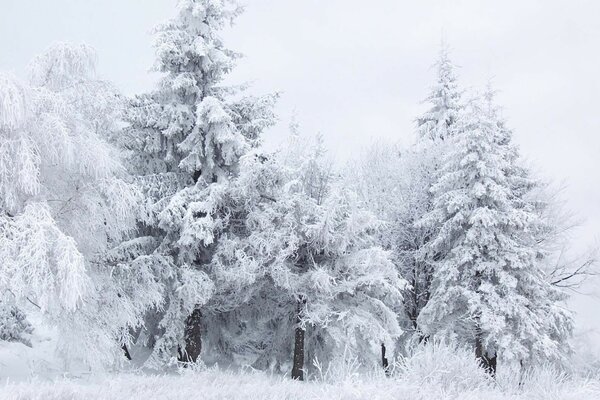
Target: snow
x,y
436,371
215,385
19,362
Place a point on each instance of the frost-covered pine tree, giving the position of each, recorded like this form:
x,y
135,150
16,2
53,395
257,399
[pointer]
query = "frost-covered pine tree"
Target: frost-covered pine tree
x,y
396,185
186,139
421,165
488,290
445,99
64,201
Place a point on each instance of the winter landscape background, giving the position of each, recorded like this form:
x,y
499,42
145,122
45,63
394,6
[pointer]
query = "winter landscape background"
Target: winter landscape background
x,y
357,73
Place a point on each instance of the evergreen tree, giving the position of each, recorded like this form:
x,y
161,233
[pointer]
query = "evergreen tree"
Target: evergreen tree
x,y
396,184
444,97
488,289
186,139
422,166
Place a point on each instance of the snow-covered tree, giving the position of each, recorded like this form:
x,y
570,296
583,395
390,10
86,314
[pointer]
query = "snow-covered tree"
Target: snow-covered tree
x,y
555,220
396,184
64,201
445,99
422,165
488,288
321,273
186,140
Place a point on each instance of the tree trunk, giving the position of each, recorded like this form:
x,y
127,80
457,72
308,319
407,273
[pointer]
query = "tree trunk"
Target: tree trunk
x,y
126,351
384,360
488,361
298,368
193,337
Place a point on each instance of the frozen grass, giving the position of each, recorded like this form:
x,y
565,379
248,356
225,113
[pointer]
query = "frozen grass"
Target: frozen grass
x,y
434,372
211,385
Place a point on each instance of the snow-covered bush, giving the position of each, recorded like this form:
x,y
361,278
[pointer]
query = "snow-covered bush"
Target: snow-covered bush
x,y
442,365
14,326
344,367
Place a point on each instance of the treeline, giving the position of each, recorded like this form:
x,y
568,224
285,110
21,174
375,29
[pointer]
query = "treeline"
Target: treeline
x,y
156,228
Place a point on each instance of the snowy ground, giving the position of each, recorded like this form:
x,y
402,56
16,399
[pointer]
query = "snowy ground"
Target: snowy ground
x,y
436,372
220,385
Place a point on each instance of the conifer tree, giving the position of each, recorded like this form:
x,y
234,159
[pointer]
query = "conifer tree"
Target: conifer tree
x,y
445,99
422,164
488,290
187,138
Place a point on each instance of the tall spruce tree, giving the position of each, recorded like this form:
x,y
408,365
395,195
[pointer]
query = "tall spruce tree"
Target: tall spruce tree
x,y
488,290
422,164
186,139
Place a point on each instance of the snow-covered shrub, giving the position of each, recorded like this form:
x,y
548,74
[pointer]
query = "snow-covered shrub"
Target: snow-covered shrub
x,y
14,326
344,368
546,381
440,364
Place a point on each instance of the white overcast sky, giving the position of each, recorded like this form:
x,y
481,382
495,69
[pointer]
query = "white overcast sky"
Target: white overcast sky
x,y
356,70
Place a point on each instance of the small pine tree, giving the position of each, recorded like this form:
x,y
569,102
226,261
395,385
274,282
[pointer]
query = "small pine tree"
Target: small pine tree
x,y
445,98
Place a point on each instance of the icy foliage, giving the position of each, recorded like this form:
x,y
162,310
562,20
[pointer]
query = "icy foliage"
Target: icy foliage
x,y
396,184
438,364
65,201
14,105
445,98
63,66
40,261
156,229
189,123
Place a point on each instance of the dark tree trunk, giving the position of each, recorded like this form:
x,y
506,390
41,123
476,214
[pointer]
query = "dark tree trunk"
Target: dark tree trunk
x,y
298,367
384,361
126,351
492,363
193,337
488,361
419,297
